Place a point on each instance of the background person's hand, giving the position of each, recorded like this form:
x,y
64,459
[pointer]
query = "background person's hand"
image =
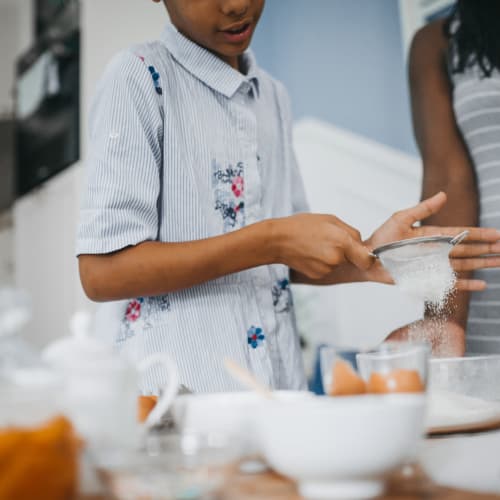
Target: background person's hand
x,y
475,252
447,338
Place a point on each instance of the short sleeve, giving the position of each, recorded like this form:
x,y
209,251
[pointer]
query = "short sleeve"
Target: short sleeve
x,y
120,201
298,193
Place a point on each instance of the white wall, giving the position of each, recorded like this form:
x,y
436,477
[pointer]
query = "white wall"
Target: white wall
x,y
45,220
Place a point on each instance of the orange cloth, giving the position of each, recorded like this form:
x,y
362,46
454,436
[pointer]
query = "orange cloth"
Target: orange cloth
x,y
39,463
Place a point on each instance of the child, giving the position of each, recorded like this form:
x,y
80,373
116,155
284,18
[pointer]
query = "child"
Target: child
x,y
194,205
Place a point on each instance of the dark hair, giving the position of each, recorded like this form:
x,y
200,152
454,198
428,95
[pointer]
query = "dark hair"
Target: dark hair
x,y
476,37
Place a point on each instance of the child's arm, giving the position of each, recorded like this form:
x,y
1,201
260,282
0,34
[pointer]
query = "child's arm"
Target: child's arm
x,y
446,162
311,243
119,255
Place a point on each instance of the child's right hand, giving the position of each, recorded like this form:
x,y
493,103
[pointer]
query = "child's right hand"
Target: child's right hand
x,y
314,244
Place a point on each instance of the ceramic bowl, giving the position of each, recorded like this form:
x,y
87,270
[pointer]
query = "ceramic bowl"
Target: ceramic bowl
x,y
227,413
341,447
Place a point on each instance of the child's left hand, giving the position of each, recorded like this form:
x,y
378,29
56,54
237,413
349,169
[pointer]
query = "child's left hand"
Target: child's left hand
x,y
474,254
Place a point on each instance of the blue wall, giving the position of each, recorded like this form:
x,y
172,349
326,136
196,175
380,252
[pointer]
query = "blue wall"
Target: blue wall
x,y
342,61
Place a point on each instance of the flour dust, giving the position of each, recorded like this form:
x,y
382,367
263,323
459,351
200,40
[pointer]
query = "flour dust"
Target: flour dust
x,y
424,272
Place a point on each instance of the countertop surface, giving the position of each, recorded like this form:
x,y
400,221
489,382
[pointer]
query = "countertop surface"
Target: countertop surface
x,y
269,486
462,467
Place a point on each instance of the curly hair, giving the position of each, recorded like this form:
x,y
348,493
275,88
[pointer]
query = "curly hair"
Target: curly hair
x,y
477,35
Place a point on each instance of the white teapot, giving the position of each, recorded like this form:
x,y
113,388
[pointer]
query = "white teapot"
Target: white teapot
x,y
101,387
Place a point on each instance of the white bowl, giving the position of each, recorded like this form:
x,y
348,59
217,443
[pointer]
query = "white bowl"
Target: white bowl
x,y
227,413
340,447
467,462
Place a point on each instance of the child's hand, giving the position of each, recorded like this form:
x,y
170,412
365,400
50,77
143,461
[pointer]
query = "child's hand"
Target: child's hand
x,y
314,244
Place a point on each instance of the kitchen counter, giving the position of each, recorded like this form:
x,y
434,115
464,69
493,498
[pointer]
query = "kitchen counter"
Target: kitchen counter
x,y
270,486
463,465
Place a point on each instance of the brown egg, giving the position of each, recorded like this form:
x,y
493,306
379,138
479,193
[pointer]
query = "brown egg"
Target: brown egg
x,y
396,381
345,381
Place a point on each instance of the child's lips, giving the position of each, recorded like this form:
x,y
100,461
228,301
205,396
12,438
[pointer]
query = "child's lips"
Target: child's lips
x,y
238,34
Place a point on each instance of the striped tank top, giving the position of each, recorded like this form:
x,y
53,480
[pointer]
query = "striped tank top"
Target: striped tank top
x,y
476,102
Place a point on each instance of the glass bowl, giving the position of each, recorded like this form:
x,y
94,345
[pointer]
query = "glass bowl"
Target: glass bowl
x,y
395,367
170,467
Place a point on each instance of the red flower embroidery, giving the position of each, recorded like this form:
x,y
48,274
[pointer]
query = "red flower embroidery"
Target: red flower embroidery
x,y
237,186
133,312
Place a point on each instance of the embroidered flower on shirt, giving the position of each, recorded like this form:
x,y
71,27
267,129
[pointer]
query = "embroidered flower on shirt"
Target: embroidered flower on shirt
x,y
156,79
141,313
228,184
282,295
133,311
154,75
255,336
237,186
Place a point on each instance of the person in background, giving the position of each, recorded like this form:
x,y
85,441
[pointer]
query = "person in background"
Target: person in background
x,y
195,211
454,75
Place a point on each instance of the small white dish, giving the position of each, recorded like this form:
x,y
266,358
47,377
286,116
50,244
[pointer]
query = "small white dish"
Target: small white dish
x,y
227,413
341,447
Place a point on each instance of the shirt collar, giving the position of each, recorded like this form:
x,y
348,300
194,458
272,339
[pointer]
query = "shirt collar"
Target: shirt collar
x,y
206,66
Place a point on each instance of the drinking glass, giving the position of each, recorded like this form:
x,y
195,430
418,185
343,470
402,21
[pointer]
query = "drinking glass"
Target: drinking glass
x,y
329,356
395,367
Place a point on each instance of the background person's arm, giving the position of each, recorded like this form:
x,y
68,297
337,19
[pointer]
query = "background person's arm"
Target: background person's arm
x,y
447,166
446,163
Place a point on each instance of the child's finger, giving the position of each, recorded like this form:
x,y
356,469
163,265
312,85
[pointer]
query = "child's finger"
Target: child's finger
x,y
358,254
470,285
352,231
423,210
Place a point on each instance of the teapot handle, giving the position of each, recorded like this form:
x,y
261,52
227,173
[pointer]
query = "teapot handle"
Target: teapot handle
x,y
169,391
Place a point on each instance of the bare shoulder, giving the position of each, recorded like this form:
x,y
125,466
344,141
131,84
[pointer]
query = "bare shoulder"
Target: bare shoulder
x,y
428,54
429,43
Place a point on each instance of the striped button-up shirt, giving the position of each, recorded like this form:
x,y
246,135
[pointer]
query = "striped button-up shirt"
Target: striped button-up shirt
x,y
183,147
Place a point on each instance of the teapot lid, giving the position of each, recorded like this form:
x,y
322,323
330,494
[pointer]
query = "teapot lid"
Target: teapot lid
x,y
80,349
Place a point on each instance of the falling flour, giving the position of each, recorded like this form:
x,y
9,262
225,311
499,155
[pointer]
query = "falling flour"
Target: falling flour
x,y
424,272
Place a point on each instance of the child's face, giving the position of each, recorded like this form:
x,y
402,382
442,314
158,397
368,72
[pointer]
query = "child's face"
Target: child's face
x,y
224,27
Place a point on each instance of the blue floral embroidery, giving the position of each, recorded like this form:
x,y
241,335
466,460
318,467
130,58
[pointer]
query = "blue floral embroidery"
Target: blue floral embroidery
x,y
282,295
229,187
156,79
255,336
155,76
